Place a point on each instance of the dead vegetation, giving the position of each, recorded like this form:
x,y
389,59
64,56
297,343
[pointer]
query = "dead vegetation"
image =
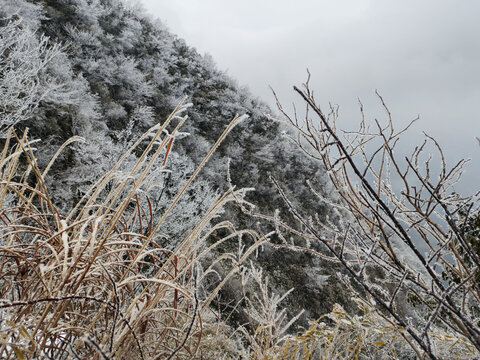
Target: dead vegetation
x,y
94,283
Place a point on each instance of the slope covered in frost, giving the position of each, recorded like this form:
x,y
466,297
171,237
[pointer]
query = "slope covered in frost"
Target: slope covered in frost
x,y
104,72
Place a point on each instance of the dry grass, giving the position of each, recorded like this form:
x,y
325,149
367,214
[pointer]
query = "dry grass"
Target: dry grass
x,y
93,283
338,335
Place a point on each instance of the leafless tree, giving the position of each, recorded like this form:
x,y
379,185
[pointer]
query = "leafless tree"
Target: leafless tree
x,y
400,231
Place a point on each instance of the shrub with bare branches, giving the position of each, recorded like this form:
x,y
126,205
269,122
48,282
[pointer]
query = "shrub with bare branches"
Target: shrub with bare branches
x,y
400,231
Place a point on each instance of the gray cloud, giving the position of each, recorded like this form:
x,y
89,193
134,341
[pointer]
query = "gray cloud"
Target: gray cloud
x,y
423,56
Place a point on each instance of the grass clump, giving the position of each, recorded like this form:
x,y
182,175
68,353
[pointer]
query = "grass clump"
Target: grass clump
x,y
94,283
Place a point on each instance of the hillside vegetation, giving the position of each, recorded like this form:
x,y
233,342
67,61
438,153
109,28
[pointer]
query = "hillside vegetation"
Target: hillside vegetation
x,y
152,208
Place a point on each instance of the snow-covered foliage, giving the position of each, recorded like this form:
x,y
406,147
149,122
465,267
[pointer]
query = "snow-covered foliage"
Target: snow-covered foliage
x,y
103,77
109,74
102,71
33,71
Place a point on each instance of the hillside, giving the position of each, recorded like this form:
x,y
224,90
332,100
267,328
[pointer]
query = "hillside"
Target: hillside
x,y
113,73
152,207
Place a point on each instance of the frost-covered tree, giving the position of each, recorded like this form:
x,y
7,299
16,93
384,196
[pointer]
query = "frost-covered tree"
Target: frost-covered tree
x,y
401,235
32,70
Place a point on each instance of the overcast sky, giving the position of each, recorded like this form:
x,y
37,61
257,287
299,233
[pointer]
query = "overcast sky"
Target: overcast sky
x,y
422,56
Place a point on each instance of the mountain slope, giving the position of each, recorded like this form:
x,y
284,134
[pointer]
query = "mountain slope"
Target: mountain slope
x,y
113,74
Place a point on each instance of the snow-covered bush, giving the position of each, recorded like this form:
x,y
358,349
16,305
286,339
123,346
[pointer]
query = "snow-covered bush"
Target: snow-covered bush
x,y
32,70
400,234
